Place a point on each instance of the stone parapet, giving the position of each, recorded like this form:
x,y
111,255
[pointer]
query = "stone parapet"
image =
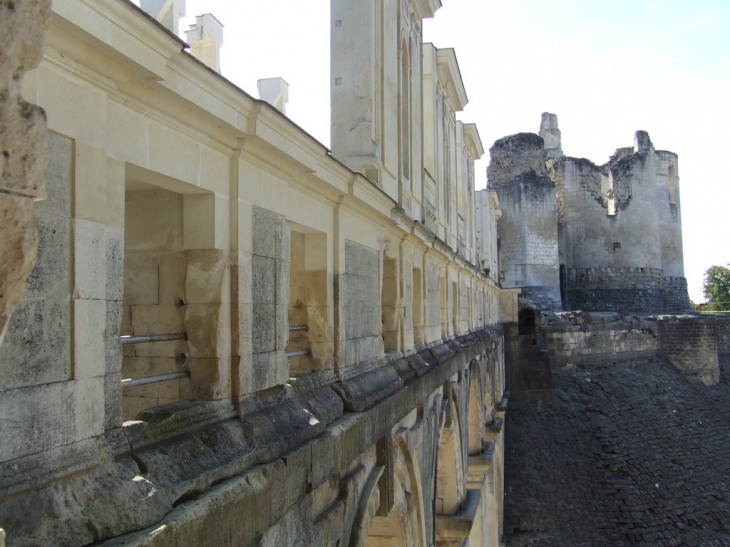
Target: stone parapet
x,y
579,338
289,441
690,343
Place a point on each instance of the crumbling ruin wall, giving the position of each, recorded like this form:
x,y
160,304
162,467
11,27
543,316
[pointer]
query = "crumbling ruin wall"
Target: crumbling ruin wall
x,y
580,338
527,229
611,231
23,27
601,238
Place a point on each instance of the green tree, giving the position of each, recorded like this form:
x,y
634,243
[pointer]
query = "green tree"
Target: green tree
x,y
717,288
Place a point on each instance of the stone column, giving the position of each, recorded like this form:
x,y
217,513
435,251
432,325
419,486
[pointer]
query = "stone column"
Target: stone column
x,y
23,27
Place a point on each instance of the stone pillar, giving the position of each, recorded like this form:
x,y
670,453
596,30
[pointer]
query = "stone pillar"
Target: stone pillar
x,y
23,27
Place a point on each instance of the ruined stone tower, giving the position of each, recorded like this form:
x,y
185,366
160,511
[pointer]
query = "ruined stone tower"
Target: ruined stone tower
x,y
613,231
527,230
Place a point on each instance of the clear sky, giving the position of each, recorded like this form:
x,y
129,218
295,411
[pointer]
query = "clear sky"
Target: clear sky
x,y
607,69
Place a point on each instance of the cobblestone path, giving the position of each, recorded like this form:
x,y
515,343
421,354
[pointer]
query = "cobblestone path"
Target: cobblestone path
x,y
623,455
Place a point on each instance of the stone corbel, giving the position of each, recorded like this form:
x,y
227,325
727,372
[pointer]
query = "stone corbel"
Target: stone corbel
x,y
501,409
494,430
481,465
452,529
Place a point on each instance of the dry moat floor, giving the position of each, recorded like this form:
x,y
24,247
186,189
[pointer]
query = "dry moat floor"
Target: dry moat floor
x,y
627,454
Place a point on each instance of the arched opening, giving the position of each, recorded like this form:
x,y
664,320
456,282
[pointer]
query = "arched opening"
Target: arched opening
x,y
402,526
449,469
476,421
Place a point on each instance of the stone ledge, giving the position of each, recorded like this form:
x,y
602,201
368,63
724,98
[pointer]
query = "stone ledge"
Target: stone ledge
x,y
459,526
363,391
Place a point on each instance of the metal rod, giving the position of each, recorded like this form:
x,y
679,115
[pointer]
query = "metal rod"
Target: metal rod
x,y
297,353
142,338
300,327
131,382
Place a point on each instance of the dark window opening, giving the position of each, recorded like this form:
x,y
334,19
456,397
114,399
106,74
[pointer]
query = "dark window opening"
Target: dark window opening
x,y
526,321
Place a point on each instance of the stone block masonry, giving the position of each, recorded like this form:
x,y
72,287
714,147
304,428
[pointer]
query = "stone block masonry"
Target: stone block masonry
x,y
615,289
579,338
691,344
23,27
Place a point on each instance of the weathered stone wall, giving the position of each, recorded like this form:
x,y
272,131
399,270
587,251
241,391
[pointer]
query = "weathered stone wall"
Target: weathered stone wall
x,y
576,338
691,345
615,289
23,27
38,342
676,297
360,288
723,333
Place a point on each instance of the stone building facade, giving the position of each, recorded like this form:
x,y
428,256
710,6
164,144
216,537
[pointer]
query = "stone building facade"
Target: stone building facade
x,y
232,335
575,235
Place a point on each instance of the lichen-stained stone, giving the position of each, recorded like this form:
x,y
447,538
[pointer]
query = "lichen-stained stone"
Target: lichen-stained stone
x,y
23,26
106,495
18,246
37,346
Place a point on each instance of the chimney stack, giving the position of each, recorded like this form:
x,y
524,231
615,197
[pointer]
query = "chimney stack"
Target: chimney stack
x,y
274,91
551,135
205,39
167,12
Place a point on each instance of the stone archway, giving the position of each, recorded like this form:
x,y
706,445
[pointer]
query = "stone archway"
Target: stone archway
x,y
402,526
450,479
475,433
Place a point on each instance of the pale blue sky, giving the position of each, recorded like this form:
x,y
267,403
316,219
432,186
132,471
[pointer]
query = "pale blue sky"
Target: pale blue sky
x,y
606,69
